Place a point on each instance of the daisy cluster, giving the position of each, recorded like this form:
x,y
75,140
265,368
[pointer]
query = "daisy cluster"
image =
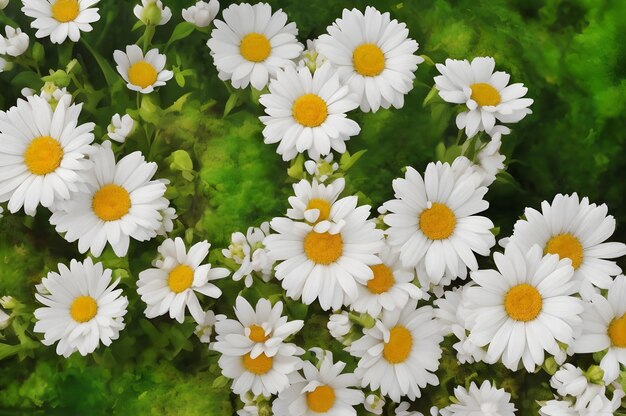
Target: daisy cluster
x,y
404,288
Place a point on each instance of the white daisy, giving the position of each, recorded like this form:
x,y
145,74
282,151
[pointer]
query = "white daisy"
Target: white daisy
x,y
42,156
311,58
252,44
312,201
322,391
262,375
339,325
204,329
488,161
142,73
82,308
373,55
604,327
15,43
61,19
152,12
120,127
202,13
558,408
390,288
177,276
575,229
603,406
522,309
168,215
328,259
248,251
307,112
433,221
401,353
120,201
570,380
374,404
322,168
256,331
485,401
484,92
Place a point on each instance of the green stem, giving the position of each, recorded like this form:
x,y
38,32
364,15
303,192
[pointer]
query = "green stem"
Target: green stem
x,y
148,34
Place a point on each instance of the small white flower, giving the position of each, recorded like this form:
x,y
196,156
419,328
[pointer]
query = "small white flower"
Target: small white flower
x,y
321,168
152,12
168,215
4,319
202,13
61,19
53,94
403,410
204,329
601,405
489,161
569,380
311,58
249,252
374,404
142,73
558,408
484,401
120,127
339,325
15,43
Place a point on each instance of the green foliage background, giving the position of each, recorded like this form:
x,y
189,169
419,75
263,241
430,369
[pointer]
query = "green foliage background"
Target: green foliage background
x,y
570,54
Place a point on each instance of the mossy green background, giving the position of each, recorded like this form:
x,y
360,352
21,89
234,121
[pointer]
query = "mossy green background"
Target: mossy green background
x,y
569,53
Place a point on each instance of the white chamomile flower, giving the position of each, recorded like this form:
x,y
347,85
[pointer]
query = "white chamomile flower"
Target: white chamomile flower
x,y
374,404
390,288
61,19
204,329
433,221
522,309
403,409
202,13
489,162
575,229
307,112
326,260
312,201
120,201
15,43
321,168
339,325
485,401
373,55
570,380
248,251
604,327
484,92
322,391
401,353
142,73
256,331
251,44
311,58
43,153
152,12
168,215
558,408
178,274
120,127
601,405
82,308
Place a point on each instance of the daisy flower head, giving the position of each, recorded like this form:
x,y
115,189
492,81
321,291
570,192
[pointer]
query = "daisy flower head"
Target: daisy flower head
x,y
142,73
390,288
573,228
401,353
484,92
489,162
312,201
485,400
251,44
558,408
604,328
43,153
373,55
120,201
322,168
570,380
61,19
522,309
311,58
120,127
326,260
322,391
374,404
257,331
168,215
81,308
248,251
171,286
433,221
307,112
202,13
204,329
152,12
15,43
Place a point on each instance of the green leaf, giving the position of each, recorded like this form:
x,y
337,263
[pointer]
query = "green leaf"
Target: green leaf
x,y
181,31
178,104
107,70
296,170
232,102
28,79
431,97
181,161
347,160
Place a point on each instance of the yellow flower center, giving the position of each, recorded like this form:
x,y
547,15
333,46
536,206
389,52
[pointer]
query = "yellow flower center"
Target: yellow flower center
x,y
43,155
368,60
566,246
617,332
65,10
321,399
323,248
255,47
400,344
257,334
142,74
322,205
523,302
180,278
310,110
259,365
83,309
111,202
383,279
484,94
437,222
